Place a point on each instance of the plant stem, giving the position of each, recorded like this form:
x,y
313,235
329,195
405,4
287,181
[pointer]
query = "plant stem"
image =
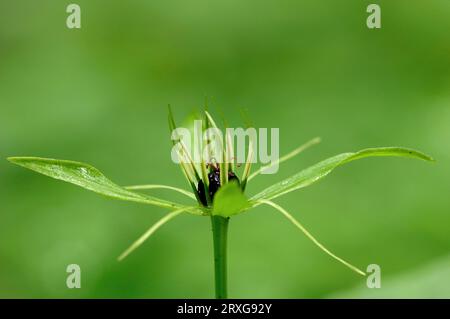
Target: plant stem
x,y
220,231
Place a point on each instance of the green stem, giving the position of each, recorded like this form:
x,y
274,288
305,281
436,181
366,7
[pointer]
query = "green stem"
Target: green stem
x,y
220,230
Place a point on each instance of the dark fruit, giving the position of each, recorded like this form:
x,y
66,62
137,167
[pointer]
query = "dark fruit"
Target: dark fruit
x,y
214,185
201,193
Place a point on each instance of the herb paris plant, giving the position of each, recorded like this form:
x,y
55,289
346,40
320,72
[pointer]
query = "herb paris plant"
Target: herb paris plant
x,y
217,195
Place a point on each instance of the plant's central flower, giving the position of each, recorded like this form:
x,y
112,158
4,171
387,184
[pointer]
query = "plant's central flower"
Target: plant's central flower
x,y
215,186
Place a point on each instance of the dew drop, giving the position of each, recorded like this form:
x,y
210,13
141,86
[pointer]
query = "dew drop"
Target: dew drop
x,y
85,173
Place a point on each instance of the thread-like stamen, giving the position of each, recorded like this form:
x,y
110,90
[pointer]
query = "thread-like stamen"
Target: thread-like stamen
x,y
151,186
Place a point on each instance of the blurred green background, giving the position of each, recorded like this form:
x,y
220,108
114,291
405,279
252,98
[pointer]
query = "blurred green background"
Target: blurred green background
x,y
311,68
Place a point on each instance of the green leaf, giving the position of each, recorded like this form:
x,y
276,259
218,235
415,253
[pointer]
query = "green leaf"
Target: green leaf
x,y
229,200
322,169
90,178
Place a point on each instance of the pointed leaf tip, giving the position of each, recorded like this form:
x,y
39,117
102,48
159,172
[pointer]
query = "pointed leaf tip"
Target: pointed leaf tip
x,y
318,171
90,178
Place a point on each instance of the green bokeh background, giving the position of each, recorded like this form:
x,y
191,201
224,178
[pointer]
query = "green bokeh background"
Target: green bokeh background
x,y
311,68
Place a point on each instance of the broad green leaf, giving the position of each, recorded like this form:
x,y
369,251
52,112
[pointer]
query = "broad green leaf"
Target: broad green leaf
x,y
229,200
322,169
90,178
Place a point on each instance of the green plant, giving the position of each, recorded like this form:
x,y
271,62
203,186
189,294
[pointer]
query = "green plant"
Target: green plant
x,y
226,200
